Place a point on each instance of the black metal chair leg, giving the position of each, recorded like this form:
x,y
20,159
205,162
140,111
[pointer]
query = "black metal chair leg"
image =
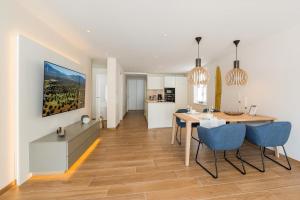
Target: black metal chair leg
x,y
180,135
194,137
216,167
239,155
197,151
178,141
278,163
262,160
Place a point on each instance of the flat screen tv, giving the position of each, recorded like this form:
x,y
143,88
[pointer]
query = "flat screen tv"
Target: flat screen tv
x,y
64,89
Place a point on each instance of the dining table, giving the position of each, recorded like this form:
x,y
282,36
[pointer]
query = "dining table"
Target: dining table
x,y
190,118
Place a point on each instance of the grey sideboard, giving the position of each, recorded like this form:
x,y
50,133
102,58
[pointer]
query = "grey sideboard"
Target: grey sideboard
x,y
54,154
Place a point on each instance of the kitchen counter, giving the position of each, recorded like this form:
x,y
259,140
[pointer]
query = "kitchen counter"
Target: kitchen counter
x,y
159,114
154,101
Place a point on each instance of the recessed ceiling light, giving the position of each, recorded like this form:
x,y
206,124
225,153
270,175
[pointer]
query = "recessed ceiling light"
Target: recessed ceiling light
x,y
165,35
88,31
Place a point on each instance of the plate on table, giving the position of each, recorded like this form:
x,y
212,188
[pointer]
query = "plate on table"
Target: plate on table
x,y
234,113
193,113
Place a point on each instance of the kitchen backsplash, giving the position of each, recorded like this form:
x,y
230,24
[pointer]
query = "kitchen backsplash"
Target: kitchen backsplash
x,y
155,92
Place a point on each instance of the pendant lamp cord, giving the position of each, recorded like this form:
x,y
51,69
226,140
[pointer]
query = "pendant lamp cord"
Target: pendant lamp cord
x,y
198,60
236,42
236,52
198,49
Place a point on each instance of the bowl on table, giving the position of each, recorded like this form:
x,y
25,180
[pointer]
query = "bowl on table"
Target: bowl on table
x,y
231,113
193,112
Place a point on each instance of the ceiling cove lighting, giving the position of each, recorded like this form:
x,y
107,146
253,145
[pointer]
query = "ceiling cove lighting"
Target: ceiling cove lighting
x,y
199,75
236,76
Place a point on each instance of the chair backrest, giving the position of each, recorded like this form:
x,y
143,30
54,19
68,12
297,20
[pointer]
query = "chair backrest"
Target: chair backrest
x,y
180,111
205,110
269,135
225,137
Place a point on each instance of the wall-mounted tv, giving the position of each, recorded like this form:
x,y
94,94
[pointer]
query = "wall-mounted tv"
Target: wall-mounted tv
x,y
64,89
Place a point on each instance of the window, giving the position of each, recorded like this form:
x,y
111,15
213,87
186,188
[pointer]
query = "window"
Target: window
x,y
200,94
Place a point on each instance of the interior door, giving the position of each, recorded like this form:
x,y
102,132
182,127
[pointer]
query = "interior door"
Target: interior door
x,y
131,94
101,96
140,88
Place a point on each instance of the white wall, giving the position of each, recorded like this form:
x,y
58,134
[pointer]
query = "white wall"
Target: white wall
x,y
115,92
119,93
123,94
13,23
273,69
124,109
111,93
31,123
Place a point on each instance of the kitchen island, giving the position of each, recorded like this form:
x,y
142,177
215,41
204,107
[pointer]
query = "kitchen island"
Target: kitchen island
x,y
159,114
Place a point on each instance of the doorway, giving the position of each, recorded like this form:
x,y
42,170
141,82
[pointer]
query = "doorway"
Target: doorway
x,y
101,96
99,102
135,94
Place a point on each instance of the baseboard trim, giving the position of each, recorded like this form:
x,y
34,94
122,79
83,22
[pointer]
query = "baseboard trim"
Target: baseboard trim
x,y
6,188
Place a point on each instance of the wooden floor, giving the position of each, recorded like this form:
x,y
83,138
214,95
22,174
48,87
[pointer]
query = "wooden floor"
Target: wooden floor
x,y
134,163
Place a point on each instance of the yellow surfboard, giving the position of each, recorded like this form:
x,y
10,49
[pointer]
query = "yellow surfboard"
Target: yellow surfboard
x,y
218,89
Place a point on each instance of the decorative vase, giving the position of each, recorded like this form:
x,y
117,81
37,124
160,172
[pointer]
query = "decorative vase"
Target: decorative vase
x,y
60,131
85,119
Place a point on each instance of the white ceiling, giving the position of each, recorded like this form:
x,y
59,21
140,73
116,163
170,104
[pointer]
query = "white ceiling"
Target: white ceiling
x,y
158,35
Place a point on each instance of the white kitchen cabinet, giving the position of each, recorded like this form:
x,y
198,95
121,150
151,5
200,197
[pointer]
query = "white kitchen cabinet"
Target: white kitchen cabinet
x,y
160,115
170,81
155,82
181,92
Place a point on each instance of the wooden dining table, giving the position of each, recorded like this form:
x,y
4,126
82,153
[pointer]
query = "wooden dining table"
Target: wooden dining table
x,y
195,118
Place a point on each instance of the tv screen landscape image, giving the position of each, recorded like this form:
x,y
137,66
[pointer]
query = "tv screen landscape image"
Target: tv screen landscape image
x,y
64,89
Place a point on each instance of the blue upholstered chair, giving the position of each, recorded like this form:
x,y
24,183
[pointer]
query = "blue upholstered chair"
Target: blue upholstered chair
x,y
205,110
223,138
269,135
181,124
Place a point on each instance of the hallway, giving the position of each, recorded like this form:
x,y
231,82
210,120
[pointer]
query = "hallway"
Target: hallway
x,y
135,163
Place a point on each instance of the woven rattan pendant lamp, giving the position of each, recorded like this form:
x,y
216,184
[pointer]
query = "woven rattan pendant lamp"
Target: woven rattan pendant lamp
x,y
199,75
236,76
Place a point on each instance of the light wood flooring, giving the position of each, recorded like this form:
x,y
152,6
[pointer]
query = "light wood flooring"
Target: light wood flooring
x,y
134,163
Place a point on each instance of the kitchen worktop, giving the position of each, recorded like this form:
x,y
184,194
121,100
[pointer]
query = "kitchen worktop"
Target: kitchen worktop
x,y
155,101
